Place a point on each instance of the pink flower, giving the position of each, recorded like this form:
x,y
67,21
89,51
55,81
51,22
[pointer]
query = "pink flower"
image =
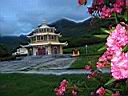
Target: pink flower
x,y
74,93
64,83
119,65
106,12
119,62
89,76
116,94
126,3
119,3
100,2
101,91
92,75
117,39
102,64
88,68
115,43
74,90
62,88
117,9
104,60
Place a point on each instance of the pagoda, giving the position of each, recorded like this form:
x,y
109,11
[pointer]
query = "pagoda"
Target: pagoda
x,y
44,41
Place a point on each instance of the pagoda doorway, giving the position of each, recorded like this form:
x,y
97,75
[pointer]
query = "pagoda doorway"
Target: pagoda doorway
x,y
41,51
55,50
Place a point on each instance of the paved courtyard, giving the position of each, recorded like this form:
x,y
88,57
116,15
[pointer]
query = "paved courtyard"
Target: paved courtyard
x,y
37,63
46,65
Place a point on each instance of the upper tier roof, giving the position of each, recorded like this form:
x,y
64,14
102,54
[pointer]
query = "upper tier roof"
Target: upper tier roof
x,y
44,26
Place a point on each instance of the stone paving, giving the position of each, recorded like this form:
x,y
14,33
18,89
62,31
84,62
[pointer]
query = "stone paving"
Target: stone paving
x,y
46,65
37,63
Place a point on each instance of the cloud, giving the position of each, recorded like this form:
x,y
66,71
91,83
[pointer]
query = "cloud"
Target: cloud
x,y
20,16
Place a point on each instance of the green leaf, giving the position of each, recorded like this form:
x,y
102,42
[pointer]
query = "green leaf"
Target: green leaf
x,y
126,16
101,36
106,2
109,91
107,94
102,48
125,49
105,30
110,81
116,18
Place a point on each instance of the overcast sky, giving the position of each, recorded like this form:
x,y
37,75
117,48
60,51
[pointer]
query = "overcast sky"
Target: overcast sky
x,y
21,16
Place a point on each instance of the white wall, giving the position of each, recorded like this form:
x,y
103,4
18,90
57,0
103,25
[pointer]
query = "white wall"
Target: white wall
x,y
34,50
22,51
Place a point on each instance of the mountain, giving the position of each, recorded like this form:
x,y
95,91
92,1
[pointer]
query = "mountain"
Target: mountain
x,y
79,33
73,29
11,42
75,33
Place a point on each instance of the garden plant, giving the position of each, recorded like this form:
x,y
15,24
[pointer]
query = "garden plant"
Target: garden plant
x,y
115,56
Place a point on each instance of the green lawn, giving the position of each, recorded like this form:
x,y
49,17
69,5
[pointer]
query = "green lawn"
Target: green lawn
x,y
91,49
85,60
42,85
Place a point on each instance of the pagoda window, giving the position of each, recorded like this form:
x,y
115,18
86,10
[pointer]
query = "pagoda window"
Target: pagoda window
x,y
42,38
48,30
44,29
45,37
50,37
56,38
38,38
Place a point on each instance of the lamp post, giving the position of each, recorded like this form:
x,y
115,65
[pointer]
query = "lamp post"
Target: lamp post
x,y
86,48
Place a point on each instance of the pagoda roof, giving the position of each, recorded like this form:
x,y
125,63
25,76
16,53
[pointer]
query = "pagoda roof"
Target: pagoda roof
x,y
44,26
46,43
46,33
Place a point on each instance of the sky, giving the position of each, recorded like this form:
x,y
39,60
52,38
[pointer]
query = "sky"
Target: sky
x,y
21,16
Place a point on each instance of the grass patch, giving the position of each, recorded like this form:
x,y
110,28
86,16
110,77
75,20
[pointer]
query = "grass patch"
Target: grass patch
x,y
91,49
89,57
85,60
42,85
